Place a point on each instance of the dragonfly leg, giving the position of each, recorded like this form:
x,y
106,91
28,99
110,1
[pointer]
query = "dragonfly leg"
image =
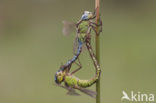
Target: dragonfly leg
x,y
99,24
77,24
78,64
94,28
94,13
88,33
94,25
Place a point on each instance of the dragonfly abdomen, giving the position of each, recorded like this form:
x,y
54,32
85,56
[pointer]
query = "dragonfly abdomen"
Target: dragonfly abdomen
x,y
77,54
86,83
71,81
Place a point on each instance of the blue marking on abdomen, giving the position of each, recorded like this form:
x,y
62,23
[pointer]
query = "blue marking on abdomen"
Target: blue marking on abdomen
x,y
77,54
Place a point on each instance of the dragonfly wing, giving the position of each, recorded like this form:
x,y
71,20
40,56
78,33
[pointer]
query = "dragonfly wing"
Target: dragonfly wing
x,y
87,91
68,27
75,46
84,48
71,91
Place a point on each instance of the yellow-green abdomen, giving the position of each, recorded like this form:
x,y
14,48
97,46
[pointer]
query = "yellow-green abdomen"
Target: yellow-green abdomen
x,y
71,80
86,83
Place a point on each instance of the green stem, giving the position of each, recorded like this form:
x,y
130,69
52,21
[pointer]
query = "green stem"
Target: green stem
x,y
98,59
97,41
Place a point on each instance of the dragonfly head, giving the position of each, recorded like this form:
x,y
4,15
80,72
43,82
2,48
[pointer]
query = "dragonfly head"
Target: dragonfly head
x,y
87,15
59,76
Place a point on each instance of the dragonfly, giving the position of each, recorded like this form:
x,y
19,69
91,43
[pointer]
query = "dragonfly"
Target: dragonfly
x,y
81,27
71,82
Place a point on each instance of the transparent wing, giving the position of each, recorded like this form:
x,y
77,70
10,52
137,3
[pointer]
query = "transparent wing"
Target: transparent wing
x,y
88,92
84,48
68,27
71,91
76,44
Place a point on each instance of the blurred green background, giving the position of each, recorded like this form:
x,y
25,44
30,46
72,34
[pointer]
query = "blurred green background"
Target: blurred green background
x,y
32,49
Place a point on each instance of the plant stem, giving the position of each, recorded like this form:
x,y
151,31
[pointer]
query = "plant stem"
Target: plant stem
x,y
97,41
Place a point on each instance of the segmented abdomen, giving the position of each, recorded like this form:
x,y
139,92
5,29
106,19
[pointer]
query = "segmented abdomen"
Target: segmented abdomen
x,y
88,83
77,54
73,81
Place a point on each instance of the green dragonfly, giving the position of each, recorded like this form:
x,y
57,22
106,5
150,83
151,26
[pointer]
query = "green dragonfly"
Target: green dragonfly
x,y
71,82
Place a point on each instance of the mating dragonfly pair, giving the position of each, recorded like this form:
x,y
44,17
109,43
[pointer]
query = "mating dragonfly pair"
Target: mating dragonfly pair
x,y
83,37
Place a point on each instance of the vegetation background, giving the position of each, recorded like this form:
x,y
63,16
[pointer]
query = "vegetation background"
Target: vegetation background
x,y
32,49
